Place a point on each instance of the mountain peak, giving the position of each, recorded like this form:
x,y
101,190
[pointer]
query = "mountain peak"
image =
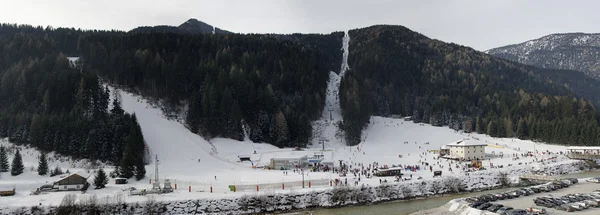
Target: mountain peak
x,y
193,26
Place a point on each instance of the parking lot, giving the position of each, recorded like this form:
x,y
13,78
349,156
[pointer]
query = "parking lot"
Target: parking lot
x,y
527,201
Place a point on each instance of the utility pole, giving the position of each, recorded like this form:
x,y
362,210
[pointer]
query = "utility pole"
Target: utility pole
x,y
302,178
156,184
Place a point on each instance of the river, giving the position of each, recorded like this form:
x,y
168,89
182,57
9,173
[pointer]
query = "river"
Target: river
x,y
411,206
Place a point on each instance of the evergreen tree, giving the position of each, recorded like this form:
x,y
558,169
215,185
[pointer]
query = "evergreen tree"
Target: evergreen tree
x,y
42,165
479,126
101,179
522,130
3,160
126,169
491,129
17,165
140,170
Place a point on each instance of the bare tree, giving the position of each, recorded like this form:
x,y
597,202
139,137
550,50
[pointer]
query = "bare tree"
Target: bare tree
x,y
452,184
503,179
151,206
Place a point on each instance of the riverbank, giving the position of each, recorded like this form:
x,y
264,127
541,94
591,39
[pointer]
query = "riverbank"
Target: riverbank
x,y
341,196
459,207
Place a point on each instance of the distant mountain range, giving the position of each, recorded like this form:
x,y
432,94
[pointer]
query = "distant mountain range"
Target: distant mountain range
x,y
574,51
192,26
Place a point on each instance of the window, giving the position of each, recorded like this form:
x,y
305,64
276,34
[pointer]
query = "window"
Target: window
x,y
65,187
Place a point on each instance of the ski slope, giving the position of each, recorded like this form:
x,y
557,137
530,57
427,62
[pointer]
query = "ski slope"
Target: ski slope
x,y
325,130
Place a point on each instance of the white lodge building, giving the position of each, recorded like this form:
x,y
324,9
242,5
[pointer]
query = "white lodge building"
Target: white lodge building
x,y
462,150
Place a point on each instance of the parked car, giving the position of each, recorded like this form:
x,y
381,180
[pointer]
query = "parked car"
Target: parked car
x,y
574,180
476,204
535,189
499,196
568,182
544,188
538,210
484,206
494,207
582,204
576,206
503,210
566,207
491,197
591,203
517,212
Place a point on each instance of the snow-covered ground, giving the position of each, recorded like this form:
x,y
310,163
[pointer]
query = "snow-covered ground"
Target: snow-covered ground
x,y
189,160
193,163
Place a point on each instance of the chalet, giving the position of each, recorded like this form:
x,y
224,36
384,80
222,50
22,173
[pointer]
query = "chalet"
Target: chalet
x,y
75,181
463,150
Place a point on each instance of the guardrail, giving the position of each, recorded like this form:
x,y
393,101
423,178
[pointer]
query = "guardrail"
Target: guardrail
x,y
583,156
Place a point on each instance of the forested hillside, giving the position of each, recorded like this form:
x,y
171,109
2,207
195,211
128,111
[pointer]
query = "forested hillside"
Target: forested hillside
x,y
53,106
273,87
575,51
398,71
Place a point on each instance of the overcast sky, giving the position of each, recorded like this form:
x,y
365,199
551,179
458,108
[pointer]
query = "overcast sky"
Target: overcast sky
x,y
480,24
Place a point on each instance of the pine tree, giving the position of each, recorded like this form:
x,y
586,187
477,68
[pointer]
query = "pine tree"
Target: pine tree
x,y
17,165
126,169
140,170
43,165
522,130
3,160
100,180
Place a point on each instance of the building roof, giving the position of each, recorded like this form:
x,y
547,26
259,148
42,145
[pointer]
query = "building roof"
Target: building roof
x,y
463,143
583,148
289,156
391,168
81,174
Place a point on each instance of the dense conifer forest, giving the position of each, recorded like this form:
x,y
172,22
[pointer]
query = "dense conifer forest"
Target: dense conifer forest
x,y
398,71
53,105
271,87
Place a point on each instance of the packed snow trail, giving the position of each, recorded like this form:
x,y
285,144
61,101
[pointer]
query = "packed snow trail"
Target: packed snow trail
x,y
325,129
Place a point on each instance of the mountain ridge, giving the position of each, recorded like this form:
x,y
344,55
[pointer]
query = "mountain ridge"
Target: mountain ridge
x,y
573,51
192,26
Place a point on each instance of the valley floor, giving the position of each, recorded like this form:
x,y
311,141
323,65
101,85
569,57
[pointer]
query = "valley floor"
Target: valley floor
x,y
196,165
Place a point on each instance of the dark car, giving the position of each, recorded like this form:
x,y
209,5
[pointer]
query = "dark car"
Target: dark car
x,y
544,188
494,207
525,192
517,212
476,204
507,195
535,189
486,198
492,197
499,196
484,206
470,200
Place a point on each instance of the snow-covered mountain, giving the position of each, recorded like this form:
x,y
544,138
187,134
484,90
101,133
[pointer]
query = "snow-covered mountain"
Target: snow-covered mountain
x,y
574,51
